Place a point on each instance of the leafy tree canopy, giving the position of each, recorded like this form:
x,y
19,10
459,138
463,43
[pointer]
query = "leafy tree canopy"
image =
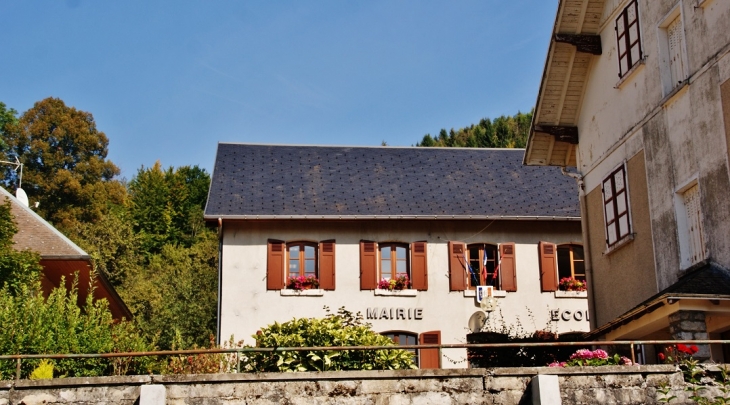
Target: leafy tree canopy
x,y
17,269
502,132
7,117
65,165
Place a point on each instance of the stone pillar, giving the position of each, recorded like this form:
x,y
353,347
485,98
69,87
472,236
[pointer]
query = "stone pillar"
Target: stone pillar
x,y
690,325
152,394
546,390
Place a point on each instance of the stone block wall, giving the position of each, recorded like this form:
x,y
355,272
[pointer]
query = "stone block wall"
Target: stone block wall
x,y
508,386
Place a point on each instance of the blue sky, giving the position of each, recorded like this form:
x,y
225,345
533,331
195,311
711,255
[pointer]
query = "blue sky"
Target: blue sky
x,y
168,80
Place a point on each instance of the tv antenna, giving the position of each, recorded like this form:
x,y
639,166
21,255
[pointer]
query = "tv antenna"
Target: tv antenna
x,y
19,192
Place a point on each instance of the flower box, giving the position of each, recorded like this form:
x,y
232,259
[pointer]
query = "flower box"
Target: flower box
x,y
300,283
399,282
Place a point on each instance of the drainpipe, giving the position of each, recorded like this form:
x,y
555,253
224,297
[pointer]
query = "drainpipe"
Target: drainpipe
x,y
586,243
220,281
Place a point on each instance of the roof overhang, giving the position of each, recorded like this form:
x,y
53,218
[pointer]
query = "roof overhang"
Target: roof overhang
x,y
574,41
651,319
215,218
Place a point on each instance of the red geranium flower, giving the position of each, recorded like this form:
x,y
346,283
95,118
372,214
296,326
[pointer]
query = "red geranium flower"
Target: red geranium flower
x,y
684,349
694,349
661,356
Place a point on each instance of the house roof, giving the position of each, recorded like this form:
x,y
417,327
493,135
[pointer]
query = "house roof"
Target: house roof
x,y
550,141
339,182
60,257
707,281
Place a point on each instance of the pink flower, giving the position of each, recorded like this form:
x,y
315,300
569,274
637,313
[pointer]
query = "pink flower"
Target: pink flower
x,y
600,354
583,354
626,361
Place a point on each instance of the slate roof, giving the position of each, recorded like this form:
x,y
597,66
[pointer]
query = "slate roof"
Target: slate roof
x,y
288,181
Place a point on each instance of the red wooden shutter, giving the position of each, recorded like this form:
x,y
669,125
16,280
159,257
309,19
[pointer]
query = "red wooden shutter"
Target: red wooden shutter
x,y
419,266
429,358
368,265
548,266
457,266
507,266
327,265
275,265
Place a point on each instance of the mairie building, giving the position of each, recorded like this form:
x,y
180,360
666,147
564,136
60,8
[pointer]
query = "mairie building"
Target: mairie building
x,y
405,236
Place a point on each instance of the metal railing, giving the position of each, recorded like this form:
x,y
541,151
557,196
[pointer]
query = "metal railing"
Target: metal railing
x,y
243,350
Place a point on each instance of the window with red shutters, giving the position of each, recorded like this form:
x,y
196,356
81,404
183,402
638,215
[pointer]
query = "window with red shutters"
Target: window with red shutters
x,y
275,265
368,265
457,266
327,265
419,266
616,206
507,266
628,37
548,264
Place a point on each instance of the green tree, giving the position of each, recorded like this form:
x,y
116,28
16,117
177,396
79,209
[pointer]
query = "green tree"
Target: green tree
x,y
176,292
502,132
65,165
8,117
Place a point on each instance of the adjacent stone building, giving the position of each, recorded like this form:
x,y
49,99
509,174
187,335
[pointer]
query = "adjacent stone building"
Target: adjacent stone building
x,y
635,99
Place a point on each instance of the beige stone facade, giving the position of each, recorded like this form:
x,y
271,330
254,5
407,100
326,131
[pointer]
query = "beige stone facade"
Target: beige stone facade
x,y
654,103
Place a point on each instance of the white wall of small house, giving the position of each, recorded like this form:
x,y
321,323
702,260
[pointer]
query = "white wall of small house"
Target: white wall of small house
x,y
246,305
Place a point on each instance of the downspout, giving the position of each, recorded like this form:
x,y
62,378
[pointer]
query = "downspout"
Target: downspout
x,y
586,243
220,281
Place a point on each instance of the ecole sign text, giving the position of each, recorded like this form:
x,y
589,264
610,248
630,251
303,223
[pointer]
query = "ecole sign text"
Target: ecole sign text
x,y
394,313
557,315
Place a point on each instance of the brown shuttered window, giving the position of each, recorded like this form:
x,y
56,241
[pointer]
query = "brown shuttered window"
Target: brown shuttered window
x,y
628,38
457,266
327,265
419,266
275,265
616,206
429,358
507,266
548,271
368,265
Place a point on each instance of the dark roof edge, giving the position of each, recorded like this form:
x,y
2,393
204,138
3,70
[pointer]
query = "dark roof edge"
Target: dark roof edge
x,y
65,257
420,217
370,146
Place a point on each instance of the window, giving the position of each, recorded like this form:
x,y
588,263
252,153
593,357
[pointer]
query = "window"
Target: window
x,y
616,206
693,238
571,263
404,339
388,260
672,51
393,261
302,259
483,265
628,37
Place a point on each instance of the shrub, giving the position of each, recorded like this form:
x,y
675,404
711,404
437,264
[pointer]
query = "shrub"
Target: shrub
x,y
341,329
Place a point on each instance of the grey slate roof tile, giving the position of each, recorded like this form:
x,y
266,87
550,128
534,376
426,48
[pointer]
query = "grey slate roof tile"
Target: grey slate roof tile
x,y
317,181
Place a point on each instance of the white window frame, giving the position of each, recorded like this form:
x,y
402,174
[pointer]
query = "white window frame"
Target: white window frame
x,y
614,219
669,82
683,227
621,37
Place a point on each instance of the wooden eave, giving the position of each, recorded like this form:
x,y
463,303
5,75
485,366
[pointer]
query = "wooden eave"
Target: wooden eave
x,y
563,83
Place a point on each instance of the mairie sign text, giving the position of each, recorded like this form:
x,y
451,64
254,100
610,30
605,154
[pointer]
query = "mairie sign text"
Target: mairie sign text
x,y
394,313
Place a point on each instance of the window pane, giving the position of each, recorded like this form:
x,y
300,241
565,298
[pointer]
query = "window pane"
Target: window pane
x,y
385,269
400,252
631,12
578,253
294,267
401,267
294,251
618,179
611,234
623,226
622,46
580,270
309,252
621,203
635,54
624,64
609,211
309,266
385,252
564,262
620,25
607,189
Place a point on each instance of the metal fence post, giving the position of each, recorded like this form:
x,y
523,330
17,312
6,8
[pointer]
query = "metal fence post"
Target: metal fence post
x,y
17,369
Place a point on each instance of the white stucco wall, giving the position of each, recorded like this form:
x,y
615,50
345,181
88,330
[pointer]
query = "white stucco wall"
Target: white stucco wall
x,y
247,305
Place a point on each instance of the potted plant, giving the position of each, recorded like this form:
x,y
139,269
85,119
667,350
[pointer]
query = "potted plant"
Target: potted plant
x,y
400,282
299,283
571,284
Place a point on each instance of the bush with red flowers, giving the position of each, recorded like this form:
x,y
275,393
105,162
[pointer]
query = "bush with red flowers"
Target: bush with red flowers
x,y
299,283
400,282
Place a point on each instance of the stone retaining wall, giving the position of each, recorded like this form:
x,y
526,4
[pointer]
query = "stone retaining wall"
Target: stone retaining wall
x,y
588,385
